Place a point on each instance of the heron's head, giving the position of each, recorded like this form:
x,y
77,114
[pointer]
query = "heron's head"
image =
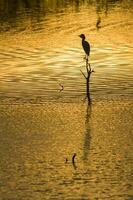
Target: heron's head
x,y
82,36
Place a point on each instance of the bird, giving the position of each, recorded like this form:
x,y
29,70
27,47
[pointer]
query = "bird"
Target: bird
x,y
85,45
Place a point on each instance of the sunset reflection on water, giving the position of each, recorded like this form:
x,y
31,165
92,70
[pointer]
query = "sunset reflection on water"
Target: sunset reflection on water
x,y
42,126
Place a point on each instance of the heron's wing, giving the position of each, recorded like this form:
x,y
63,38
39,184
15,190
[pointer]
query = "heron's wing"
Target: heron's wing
x,y
86,47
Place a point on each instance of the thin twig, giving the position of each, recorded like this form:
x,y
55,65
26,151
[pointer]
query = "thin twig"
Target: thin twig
x,y
83,74
89,67
62,87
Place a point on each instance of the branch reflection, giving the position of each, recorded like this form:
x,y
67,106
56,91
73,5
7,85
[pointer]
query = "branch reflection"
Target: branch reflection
x,y
88,131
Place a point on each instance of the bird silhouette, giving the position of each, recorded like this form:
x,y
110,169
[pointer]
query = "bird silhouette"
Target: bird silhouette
x,y
85,45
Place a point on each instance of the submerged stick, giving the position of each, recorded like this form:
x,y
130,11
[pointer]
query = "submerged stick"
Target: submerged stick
x,y
73,161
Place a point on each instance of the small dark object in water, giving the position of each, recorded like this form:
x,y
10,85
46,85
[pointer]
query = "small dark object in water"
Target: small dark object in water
x,y
85,45
73,158
62,87
66,160
98,23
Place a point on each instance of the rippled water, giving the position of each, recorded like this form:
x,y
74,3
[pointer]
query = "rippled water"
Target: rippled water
x,y
40,49
35,141
37,73
41,126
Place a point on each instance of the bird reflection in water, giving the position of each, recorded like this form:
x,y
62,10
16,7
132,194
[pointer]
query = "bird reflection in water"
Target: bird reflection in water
x,y
98,23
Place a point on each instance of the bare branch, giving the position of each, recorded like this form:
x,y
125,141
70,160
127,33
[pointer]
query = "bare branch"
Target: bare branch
x,y
89,66
83,74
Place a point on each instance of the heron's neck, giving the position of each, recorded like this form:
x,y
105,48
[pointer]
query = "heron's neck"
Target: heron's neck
x,y
83,39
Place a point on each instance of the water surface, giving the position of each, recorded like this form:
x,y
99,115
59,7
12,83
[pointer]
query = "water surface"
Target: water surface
x,y
31,74
40,48
41,126
35,141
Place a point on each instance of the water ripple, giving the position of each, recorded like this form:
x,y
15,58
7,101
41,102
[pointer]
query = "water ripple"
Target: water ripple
x,y
35,72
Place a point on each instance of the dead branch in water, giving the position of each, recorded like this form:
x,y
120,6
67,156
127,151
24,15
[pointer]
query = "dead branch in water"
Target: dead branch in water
x,y
87,77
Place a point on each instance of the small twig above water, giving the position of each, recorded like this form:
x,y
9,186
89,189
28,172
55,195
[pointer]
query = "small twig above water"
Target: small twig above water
x,y
62,87
83,74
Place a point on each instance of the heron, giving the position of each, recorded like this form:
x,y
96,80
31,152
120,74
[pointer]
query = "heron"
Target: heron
x,y
85,45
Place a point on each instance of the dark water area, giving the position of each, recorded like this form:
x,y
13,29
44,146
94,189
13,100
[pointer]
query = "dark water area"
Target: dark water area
x,y
15,14
40,49
41,126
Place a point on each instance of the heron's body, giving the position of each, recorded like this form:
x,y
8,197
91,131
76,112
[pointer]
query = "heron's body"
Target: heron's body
x,y
85,45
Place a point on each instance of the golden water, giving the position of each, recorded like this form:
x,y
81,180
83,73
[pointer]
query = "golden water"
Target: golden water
x,y
40,48
35,141
40,126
